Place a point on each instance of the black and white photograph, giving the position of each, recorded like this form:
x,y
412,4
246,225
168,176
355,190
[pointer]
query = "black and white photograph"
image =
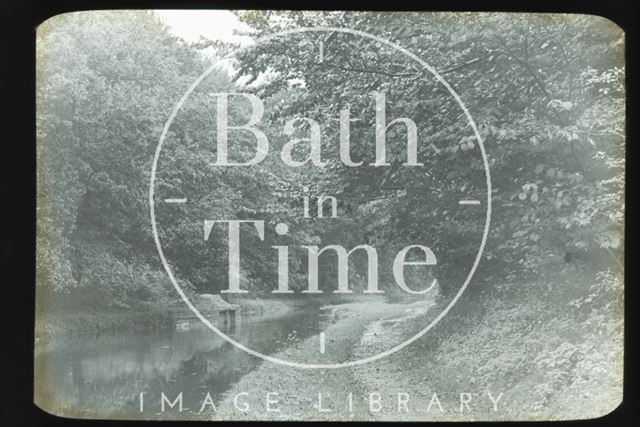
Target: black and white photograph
x,y
329,215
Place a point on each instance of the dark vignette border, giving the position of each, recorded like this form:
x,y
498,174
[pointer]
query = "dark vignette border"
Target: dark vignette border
x,y
17,163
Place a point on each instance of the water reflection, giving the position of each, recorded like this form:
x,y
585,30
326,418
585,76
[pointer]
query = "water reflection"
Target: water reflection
x,y
105,374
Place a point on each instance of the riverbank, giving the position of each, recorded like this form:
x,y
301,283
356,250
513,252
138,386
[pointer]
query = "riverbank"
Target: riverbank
x,y
310,394
81,320
52,327
267,308
523,359
492,357
534,359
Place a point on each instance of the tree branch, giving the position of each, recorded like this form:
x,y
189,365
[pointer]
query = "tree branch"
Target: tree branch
x,y
465,64
418,72
367,70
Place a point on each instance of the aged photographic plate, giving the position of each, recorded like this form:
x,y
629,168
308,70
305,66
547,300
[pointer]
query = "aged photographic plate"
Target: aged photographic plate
x,y
273,215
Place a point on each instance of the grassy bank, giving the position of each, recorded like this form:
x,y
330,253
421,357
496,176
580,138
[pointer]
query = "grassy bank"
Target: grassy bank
x,y
104,321
549,360
75,318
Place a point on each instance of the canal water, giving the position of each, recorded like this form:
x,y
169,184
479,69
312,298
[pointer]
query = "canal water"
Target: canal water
x,y
105,374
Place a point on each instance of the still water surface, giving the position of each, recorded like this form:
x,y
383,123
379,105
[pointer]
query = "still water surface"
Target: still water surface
x,y
105,374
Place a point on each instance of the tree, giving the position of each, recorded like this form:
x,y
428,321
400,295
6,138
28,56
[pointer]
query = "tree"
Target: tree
x,y
546,92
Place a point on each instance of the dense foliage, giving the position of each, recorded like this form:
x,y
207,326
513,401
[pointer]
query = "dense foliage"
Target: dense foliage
x,y
546,92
